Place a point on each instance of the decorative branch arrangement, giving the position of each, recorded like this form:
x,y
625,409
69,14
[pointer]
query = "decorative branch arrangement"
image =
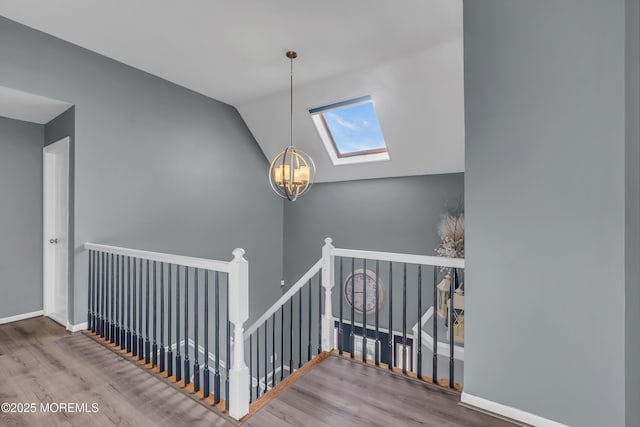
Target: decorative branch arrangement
x,y
451,231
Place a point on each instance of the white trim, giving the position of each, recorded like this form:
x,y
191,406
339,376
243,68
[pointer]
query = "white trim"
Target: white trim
x,y
427,339
284,298
507,411
21,317
396,257
78,327
205,264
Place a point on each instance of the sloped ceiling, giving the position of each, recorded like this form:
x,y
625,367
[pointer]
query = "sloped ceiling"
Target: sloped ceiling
x,y
407,55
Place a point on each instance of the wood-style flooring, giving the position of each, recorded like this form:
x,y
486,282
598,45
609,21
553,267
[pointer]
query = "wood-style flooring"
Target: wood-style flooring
x,y
40,362
341,392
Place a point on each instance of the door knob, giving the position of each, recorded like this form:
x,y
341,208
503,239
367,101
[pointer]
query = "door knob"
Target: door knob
x,y
53,241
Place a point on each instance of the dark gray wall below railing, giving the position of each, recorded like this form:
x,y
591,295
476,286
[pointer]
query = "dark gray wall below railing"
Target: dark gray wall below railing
x,y
20,217
545,207
157,167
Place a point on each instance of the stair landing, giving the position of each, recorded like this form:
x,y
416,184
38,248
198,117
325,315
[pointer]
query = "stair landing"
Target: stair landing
x,y
342,392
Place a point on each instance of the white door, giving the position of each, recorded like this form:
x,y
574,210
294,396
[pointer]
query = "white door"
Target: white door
x,y
56,230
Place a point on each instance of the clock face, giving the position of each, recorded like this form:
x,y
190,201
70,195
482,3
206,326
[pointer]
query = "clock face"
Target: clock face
x,y
359,284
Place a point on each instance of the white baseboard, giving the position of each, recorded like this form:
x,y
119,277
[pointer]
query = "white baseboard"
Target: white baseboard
x,y
21,316
78,327
507,411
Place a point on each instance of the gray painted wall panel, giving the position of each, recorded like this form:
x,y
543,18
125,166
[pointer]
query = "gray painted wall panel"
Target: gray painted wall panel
x,y
157,167
632,168
20,217
544,183
391,215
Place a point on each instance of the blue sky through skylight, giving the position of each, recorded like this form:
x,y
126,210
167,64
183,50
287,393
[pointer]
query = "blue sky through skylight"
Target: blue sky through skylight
x,y
355,128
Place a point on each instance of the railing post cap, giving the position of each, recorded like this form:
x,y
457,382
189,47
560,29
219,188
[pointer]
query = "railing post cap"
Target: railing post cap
x,y
238,253
328,240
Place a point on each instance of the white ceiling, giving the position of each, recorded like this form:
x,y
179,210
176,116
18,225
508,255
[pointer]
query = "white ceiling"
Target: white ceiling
x,y
19,105
407,55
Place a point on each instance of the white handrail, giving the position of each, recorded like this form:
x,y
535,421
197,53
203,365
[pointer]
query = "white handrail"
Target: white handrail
x,y
284,298
205,264
396,257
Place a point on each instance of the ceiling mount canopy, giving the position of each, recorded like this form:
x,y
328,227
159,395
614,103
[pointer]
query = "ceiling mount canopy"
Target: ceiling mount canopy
x,y
292,171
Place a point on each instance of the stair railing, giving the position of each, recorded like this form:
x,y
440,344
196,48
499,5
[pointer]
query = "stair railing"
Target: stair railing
x,y
150,304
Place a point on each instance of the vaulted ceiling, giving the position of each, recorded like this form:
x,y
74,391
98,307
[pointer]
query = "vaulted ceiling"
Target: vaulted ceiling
x,y
407,55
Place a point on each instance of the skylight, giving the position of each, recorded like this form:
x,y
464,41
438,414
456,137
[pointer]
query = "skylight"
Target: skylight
x,y
350,131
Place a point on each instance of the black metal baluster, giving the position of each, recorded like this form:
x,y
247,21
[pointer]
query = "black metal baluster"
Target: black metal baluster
x,y
128,338
178,357
300,328
419,322
390,338
404,319
162,347
273,350
353,312
309,326
377,361
135,330
452,285
89,284
123,330
266,352
258,362
147,341
116,325
187,368
206,335
112,319
94,294
290,335
140,330
340,324
196,348
154,351
216,376
103,295
434,319
169,342
228,363
251,368
281,343
364,310
320,312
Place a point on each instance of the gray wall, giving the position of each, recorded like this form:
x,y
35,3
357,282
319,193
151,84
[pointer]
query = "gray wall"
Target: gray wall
x,y
632,168
391,215
545,197
20,217
157,167
58,128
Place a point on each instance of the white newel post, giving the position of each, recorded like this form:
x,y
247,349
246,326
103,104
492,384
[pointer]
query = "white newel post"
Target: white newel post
x,y
238,314
328,281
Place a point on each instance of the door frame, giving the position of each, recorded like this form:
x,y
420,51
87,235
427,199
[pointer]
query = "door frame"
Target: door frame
x,y
50,166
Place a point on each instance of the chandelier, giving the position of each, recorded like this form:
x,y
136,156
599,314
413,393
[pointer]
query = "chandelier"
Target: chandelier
x,y
292,171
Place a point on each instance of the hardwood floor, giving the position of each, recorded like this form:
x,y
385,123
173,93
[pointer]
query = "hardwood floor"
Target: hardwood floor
x,y
340,392
41,363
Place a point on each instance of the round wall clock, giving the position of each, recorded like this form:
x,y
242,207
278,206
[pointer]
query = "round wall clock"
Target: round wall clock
x,y
358,301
